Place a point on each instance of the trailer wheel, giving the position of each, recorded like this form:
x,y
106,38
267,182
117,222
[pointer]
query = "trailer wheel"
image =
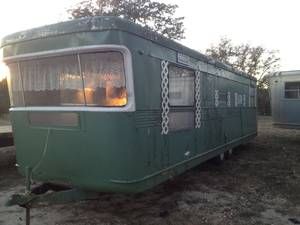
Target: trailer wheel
x,y
222,156
229,153
218,160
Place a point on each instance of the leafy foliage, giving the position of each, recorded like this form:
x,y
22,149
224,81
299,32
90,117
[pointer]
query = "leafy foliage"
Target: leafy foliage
x,y
253,60
4,98
153,15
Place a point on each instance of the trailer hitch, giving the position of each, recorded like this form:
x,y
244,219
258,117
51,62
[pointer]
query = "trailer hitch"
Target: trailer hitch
x,y
31,200
47,194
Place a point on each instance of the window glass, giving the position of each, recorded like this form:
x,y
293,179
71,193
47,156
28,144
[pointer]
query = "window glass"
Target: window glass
x,y
104,79
181,86
15,85
208,91
238,100
228,99
244,100
223,98
97,79
252,96
54,119
292,90
181,120
52,81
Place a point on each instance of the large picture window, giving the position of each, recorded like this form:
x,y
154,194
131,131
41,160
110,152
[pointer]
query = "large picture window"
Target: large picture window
x,y
92,79
292,90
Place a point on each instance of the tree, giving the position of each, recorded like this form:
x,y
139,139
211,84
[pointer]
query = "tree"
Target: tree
x,y
253,60
256,61
153,15
4,98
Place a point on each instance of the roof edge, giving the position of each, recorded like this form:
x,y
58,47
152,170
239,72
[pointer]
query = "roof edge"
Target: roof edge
x,y
99,23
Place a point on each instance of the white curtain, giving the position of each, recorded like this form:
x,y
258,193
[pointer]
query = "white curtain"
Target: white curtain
x,y
62,74
100,68
55,73
181,86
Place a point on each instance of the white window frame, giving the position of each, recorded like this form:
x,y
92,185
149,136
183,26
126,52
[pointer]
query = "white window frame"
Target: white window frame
x,y
129,107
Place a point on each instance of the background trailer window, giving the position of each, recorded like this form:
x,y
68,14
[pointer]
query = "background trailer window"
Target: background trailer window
x,y
292,90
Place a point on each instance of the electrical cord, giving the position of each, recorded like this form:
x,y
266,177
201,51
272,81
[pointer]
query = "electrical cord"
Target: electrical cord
x,y
38,164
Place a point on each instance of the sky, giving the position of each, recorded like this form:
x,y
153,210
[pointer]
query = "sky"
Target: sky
x,y
273,24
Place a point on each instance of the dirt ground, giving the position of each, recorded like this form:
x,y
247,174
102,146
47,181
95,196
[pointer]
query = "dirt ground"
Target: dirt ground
x,y
4,119
259,184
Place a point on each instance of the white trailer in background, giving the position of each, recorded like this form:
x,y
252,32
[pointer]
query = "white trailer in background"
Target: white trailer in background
x,y
285,98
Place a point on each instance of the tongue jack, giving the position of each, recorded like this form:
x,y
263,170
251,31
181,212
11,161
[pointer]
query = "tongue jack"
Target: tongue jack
x,y
27,191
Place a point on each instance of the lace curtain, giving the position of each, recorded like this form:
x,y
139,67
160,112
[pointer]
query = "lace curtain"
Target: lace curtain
x,y
57,80
101,68
51,74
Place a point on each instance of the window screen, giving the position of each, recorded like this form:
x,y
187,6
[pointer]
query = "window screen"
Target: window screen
x,y
292,90
52,81
181,86
104,79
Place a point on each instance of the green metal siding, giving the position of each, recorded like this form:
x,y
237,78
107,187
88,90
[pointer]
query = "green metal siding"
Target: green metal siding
x,y
125,151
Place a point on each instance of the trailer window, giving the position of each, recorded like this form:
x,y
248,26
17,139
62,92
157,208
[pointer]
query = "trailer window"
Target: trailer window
x,y
15,85
181,93
52,81
181,86
221,98
228,99
92,79
238,100
104,79
252,98
181,120
292,90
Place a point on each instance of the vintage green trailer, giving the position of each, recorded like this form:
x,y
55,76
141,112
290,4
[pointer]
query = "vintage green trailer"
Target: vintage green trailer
x,y
102,104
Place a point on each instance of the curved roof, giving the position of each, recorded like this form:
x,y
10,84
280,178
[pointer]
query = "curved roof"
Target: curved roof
x,y
285,73
93,24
